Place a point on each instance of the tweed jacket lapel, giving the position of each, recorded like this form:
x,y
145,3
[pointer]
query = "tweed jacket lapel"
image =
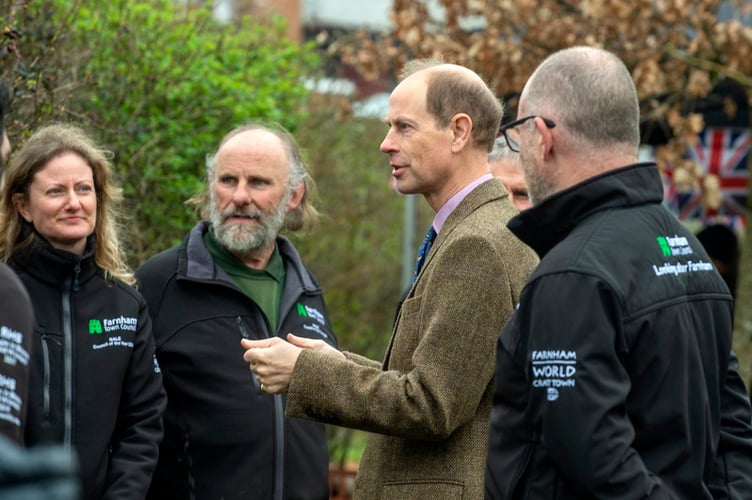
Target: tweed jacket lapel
x,y
484,193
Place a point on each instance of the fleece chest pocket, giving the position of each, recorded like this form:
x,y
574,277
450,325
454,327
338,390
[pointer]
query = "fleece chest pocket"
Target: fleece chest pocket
x,y
106,347
48,368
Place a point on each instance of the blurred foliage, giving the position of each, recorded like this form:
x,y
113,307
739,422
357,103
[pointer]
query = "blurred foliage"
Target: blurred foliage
x,y
158,85
676,51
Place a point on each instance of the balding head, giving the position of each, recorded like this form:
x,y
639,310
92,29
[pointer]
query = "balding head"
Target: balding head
x,y
582,119
452,89
588,92
264,138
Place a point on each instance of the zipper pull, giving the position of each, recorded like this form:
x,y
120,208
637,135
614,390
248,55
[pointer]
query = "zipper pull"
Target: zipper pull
x,y
76,272
244,334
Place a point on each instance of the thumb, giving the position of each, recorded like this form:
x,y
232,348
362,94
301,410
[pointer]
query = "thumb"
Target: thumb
x,y
300,341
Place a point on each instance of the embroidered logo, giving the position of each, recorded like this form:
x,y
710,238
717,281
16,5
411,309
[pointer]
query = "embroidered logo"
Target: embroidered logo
x,y
95,327
310,312
665,249
673,245
302,310
553,370
112,327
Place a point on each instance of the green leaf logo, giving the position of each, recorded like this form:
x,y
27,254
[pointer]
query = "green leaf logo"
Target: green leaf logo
x,y
302,310
95,327
665,248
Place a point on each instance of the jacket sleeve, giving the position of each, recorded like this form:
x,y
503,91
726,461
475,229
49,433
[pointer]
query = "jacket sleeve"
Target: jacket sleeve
x,y
441,358
135,442
16,334
732,474
362,360
579,386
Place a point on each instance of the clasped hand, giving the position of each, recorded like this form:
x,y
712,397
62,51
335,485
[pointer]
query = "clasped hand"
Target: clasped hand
x,y
272,360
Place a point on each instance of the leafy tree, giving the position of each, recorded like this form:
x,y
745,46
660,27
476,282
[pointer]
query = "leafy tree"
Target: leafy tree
x,y
676,50
159,86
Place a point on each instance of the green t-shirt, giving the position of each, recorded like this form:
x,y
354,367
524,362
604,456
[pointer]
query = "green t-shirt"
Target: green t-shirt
x,y
262,286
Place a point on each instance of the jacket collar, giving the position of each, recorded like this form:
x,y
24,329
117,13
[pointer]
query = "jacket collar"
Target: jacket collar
x,y
486,192
199,265
54,266
548,222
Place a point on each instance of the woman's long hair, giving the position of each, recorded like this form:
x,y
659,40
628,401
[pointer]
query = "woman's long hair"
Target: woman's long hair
x,y
45,144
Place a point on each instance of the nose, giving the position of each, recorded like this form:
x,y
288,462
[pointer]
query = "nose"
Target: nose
x,y
73,201
241,196
388,144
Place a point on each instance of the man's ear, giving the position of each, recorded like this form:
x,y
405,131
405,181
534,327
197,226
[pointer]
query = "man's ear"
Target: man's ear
x,y
297,196
462,128
547,137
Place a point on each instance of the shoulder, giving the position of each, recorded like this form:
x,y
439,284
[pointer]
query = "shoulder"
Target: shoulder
x,y
158,261
119,293
159,267
17,310
9,281
487,205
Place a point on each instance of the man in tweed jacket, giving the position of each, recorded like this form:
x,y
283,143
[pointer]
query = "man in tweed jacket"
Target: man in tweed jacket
x,y
428,403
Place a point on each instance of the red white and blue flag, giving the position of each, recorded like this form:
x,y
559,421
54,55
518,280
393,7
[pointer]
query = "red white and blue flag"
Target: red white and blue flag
x,y
722,152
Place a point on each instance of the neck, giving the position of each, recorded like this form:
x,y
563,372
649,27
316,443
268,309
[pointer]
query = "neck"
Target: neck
x,y
258,259
590,165
465,171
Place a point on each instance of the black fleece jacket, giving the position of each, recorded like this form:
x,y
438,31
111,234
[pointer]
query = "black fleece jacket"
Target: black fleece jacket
x,y
615,377
16,333
223,437
94,382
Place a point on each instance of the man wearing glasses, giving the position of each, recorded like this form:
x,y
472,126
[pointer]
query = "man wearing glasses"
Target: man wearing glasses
x,y
614,377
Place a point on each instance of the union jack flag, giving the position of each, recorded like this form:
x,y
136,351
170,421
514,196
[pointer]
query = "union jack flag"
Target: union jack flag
x,y
722,152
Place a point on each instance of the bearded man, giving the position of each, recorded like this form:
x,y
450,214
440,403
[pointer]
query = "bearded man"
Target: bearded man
x,y
234,277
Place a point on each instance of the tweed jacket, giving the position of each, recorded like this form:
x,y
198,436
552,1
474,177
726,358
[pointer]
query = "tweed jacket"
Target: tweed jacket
x,y
428,404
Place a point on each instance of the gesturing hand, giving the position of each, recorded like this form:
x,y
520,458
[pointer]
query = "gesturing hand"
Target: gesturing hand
x,y
272,360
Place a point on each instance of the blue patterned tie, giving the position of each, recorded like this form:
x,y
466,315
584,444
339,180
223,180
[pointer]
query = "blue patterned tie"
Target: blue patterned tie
x,y
425,247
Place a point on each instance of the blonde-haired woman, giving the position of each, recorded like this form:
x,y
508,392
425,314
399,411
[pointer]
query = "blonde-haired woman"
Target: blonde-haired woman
x,y
94,384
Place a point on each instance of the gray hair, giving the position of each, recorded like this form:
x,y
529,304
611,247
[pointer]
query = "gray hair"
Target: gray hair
x,y
590,92
501,150
305,215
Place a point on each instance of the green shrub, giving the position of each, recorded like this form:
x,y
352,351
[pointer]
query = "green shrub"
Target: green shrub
x,y
158,85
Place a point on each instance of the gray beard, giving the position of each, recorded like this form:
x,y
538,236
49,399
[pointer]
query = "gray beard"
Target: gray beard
x,y
248,239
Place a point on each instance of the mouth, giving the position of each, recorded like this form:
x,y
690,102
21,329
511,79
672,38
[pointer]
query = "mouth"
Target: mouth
x,y
397,170
241,218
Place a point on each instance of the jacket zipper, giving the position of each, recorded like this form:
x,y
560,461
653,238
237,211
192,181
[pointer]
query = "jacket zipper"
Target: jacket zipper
x,y
279,423
68,355
189,467
47,368
244,334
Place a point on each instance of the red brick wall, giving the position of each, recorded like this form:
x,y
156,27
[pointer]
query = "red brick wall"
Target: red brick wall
x,y
260,9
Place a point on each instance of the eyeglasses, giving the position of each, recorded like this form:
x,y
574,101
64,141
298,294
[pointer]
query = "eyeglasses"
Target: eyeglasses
x,y
513,137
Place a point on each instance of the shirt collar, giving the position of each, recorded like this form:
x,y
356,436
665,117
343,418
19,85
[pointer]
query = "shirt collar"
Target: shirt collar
x,y
448,207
